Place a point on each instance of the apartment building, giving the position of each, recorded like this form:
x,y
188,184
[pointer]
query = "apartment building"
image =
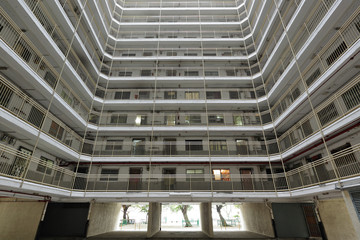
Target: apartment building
x,y
245,105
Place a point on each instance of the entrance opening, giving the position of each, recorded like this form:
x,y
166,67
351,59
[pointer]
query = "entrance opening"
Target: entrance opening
x,y
228,217
133,217
180,217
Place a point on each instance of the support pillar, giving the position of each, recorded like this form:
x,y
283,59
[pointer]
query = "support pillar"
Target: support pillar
x,y
352,212
154,219
104,217
256,218
337,219
206,219
19,219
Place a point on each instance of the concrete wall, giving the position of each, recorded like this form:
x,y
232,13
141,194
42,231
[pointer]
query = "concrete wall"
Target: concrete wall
x,y
19,220
104,217
336,219
257,219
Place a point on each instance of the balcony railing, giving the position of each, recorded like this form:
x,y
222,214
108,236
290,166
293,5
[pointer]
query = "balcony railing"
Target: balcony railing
x,y
337,106
342,165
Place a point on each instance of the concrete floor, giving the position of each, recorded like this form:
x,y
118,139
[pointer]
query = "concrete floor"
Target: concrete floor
x,y
177,235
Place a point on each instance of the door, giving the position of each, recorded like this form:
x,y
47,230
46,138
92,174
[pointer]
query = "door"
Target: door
x,y
169,178
169,146
242,146
246,179
311,221
80,180
135,178
20,162
138,146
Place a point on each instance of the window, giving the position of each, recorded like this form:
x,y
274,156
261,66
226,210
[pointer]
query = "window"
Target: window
x,y
351,97
116,119
218,119
56,131
23,51
128,54
170,120
64,95
45,165
170,54
170,95
140,120
230,73
50,79
344,160
36,117
190,54
234,95
122,95
125,74
209,54
213,95
171,73
313,77
114,145
327,114
192,95
238,120
195,175
193,145
193,119
336,53
218,145
147,54
144,95
221,175
145,73
108,174
5,93
191,73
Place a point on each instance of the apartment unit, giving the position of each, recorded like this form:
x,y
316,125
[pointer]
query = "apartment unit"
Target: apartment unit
x,y
247,103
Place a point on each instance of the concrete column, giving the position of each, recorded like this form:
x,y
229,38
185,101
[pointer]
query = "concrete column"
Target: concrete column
x,y
256,218
104,217
154,219
352,212
206,219
336,219
19,219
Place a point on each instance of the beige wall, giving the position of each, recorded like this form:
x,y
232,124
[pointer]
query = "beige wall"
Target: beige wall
x,y
336,219
104,217
257,219
19,220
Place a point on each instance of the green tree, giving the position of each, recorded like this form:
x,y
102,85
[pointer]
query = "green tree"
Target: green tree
x,y
144,209
125,213
184,209
222,219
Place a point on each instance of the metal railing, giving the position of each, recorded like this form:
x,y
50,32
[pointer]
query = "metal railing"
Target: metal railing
x,y
344,164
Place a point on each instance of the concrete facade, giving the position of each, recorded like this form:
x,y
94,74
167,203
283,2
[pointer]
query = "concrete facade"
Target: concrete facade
x,y
19,220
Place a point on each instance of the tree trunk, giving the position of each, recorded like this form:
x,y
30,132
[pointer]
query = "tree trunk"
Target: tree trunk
x,y
125,215
222,219
184,209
